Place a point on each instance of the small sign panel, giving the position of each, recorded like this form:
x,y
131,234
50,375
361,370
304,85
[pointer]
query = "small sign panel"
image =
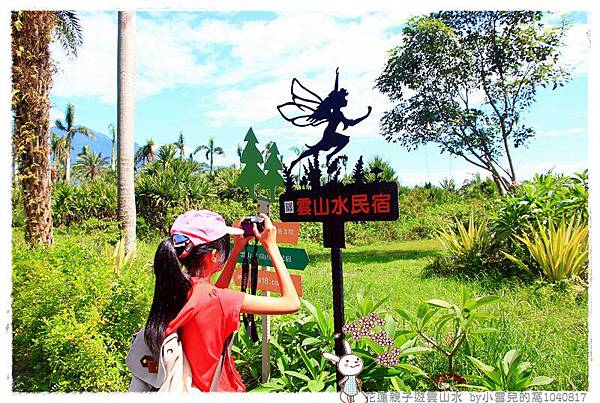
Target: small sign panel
x,y
268,281
287,232
376,201
294,258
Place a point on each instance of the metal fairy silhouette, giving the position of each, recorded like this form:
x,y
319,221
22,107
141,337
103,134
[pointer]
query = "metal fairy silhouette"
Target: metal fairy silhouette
x,y
308,109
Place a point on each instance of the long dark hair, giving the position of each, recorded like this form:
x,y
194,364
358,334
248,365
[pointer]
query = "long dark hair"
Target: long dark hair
x,y
172,284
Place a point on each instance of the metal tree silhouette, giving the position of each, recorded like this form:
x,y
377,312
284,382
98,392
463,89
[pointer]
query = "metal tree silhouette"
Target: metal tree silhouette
x,y
251,174
272,168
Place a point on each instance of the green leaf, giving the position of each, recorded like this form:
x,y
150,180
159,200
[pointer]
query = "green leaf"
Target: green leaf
x,y
485,330
465,294
488,370
310,341
405,315
315,385
541,380
439,303
298,375
422,310
412,368
490,299
508,362
415,350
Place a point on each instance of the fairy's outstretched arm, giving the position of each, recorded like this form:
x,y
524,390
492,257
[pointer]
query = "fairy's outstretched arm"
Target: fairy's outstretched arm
x,y
352,122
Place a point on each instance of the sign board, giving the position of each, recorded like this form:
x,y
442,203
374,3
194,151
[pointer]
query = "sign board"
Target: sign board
x,y
377,201
294,258
268,281
287,232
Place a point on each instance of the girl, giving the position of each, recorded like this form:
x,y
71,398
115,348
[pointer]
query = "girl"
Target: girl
x,y
206,314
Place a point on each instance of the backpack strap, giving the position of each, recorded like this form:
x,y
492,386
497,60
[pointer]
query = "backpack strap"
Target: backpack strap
x,y
217,376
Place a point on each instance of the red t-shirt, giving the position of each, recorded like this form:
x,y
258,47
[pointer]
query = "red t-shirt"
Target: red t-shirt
x,y
210,315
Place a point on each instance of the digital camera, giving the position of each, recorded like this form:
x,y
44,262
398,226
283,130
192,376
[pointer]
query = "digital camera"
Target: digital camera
x,y
247,225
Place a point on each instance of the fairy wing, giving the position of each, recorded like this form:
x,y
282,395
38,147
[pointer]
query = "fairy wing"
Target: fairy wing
x,y
300,109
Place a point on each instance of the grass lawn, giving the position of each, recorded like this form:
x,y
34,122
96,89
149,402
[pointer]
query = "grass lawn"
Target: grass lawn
x,y
548,326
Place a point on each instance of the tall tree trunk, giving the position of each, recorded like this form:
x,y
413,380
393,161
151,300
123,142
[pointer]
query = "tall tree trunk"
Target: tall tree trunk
x,y
32,80
68,161
126,125
112,154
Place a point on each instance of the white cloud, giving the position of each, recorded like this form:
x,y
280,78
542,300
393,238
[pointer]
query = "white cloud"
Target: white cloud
x,y
526,171
563,132
262,55
576,48
164,58
307,46
94,72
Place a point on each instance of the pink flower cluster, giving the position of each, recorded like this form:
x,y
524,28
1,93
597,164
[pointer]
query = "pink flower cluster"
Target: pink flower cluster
x,y
382,339
388,359
364,326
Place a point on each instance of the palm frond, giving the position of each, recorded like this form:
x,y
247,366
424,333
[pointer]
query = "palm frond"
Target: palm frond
x,y
85,131
70,116
59,124
68,31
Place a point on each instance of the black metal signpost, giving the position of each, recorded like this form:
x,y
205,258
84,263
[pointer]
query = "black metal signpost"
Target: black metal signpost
x,y
334,202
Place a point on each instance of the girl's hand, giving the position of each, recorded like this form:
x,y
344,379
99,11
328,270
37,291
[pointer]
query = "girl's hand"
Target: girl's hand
x,y
239,242
268,237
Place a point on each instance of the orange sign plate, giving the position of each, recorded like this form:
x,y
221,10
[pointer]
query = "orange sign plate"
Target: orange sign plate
x,y
287,232
268,281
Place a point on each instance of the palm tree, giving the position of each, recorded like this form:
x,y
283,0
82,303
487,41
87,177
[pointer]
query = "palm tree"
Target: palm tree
x,y
58,148
267,149
240,151
381,169
126,125
211,151
180,145
32,32
166,154
298,151
113,131
70,131
146,153
89,164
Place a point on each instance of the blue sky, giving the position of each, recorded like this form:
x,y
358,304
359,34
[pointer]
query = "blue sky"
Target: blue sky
x,y
214,74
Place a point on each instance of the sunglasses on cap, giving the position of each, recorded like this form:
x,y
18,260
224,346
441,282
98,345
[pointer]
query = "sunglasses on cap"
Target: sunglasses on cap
x,y
180,240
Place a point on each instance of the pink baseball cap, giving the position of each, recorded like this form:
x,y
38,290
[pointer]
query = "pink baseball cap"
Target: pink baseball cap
x,y
202,226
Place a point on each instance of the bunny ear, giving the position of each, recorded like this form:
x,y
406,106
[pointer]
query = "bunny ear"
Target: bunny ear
x,y
331,357
347,347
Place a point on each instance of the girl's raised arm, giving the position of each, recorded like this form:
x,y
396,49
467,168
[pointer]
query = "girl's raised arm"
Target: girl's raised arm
x,y
288,302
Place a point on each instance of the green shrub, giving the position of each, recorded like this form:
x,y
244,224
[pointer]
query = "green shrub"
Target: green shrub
x,y
297,344
558,251
77,203
543,198
73,315
161,187
510,374
446,326
466,242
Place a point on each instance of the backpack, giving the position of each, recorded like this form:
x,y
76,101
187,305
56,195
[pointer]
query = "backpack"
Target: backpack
x,y
172,372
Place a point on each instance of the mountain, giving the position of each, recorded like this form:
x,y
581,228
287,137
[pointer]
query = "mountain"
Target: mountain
x,y
101,143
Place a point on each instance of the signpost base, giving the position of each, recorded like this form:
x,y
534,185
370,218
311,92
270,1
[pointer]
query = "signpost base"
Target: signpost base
x,y
266,329
334,237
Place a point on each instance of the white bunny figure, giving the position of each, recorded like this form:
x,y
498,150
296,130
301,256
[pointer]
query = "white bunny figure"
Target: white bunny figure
x,y
349,365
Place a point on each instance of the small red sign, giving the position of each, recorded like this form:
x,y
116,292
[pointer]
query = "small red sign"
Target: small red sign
x,y
268,281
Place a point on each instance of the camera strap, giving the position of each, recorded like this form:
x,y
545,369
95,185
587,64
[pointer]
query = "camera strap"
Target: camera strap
x,y
248,319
